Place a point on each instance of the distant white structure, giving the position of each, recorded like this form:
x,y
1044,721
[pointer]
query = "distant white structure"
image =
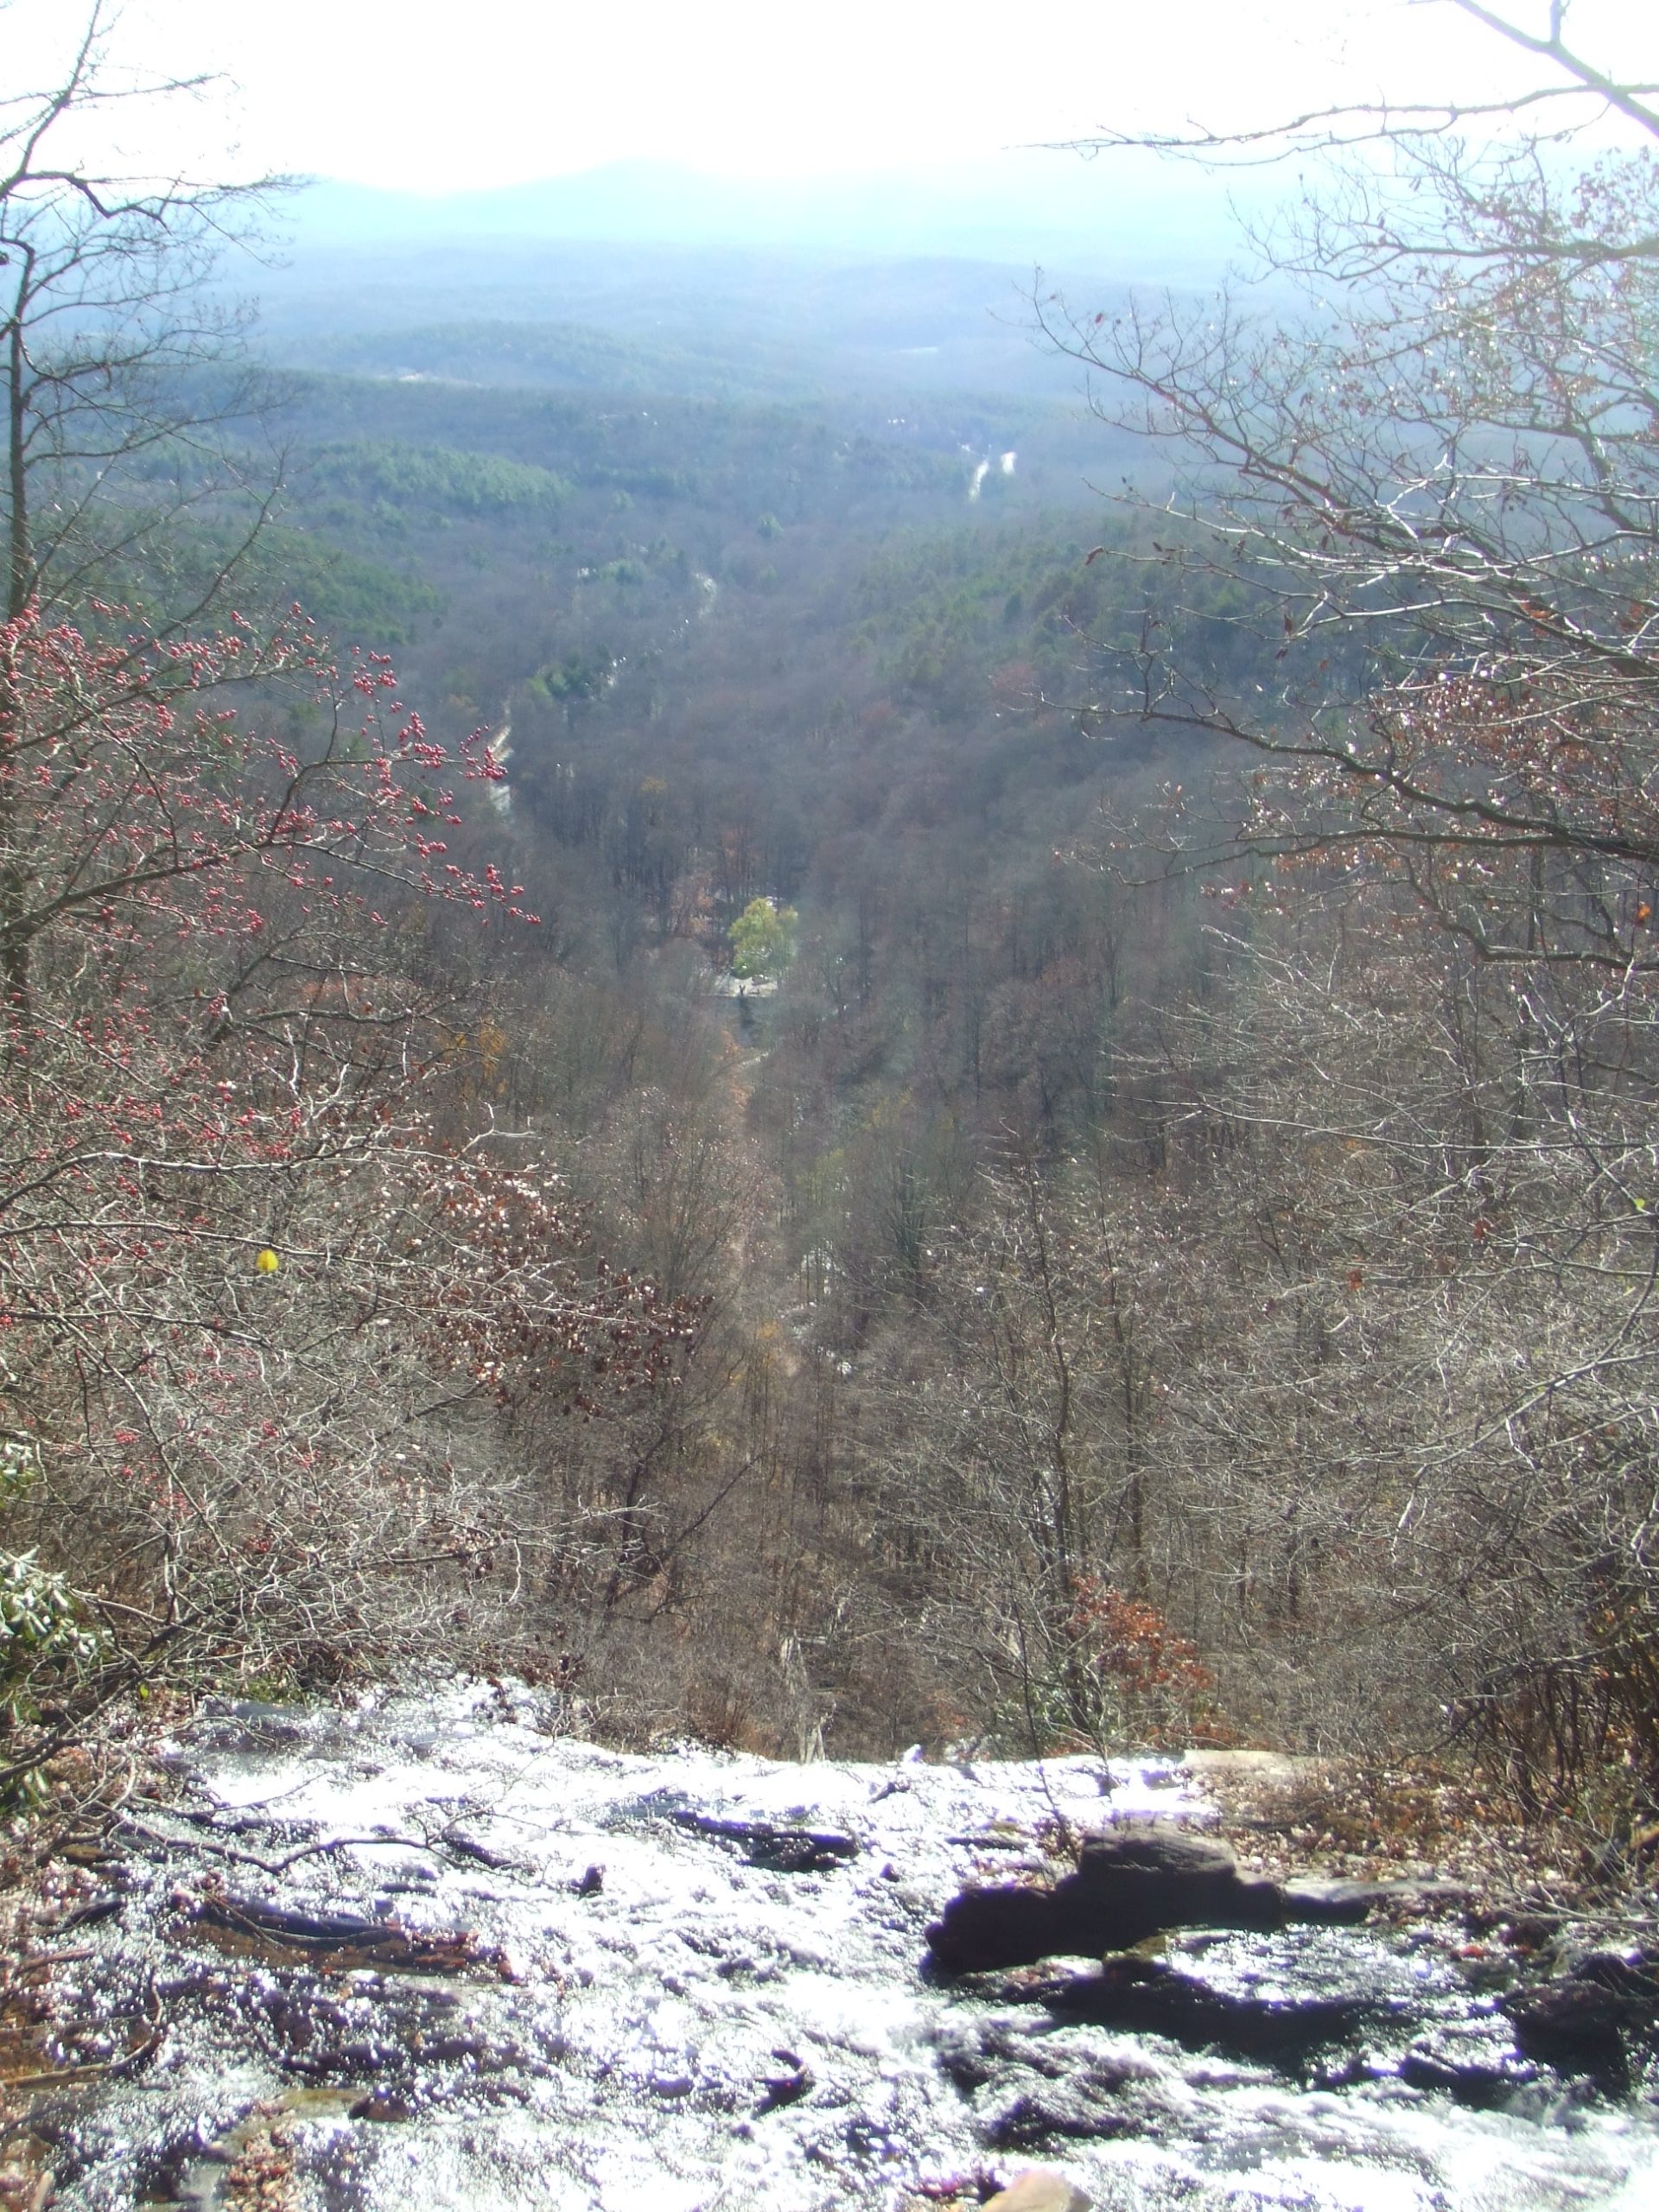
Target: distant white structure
x,y
983,468
499,750
727,986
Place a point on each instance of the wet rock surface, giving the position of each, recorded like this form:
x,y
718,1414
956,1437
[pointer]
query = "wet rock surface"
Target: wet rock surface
x,y
427,1953
1599,2019
1149,1997
781,1850
1155,1875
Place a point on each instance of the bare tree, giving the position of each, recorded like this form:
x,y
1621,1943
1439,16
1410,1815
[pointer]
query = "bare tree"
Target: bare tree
x,y
119,370
1572,87
1438,485
1424,460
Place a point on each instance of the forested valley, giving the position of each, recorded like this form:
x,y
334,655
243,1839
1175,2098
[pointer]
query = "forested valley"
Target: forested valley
x,y
965,1055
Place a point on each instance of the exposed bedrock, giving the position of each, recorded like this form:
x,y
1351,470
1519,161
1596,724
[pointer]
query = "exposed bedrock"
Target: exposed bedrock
x,y
1139,1881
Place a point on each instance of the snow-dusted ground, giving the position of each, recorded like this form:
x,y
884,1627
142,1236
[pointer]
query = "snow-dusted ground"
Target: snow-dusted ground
x,y
684,2030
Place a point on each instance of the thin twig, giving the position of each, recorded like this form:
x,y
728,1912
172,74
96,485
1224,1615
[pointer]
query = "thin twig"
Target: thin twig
x,y
274,1866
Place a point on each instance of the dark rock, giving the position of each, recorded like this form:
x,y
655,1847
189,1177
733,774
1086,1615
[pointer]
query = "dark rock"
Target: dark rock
x,y
968,2069
1462,2064
383,2104
448,2050
786,2086
466,1846
1134,1882
1029,2086
1633,1979
329,1930
778,1850
1039,2117
1572,2024
1141,1880
1002,1925
1150,1998
997,2050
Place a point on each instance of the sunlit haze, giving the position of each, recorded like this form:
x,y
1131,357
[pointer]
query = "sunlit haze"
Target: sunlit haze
x,y
441,99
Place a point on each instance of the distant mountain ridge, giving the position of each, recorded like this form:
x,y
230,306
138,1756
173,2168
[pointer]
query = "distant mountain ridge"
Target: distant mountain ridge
x,y
1123,215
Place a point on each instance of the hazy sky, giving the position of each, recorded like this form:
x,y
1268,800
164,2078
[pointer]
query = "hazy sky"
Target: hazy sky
x,y
475,93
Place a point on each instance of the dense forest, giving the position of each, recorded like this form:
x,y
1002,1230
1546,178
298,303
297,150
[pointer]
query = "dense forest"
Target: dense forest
x,y
967,1051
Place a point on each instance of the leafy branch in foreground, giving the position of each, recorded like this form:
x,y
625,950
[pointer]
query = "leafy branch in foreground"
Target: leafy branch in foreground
x,y
275,1336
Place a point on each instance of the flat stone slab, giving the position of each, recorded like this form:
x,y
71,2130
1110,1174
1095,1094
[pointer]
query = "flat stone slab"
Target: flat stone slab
x,y
1343,1903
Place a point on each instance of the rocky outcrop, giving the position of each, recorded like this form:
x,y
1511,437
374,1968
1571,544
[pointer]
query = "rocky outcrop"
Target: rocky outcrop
x,y
1141,1879
778,1849
1474,2061
1580,2023
305,1939
1148,1997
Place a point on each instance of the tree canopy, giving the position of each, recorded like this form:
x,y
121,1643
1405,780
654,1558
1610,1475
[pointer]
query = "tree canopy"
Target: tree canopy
x,y
762,939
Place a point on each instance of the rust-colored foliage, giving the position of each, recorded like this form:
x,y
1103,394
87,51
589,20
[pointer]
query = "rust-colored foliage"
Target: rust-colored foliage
x,y
1126,1655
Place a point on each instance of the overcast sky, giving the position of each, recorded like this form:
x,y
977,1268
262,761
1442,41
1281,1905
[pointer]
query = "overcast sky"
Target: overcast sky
x,y
474,92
